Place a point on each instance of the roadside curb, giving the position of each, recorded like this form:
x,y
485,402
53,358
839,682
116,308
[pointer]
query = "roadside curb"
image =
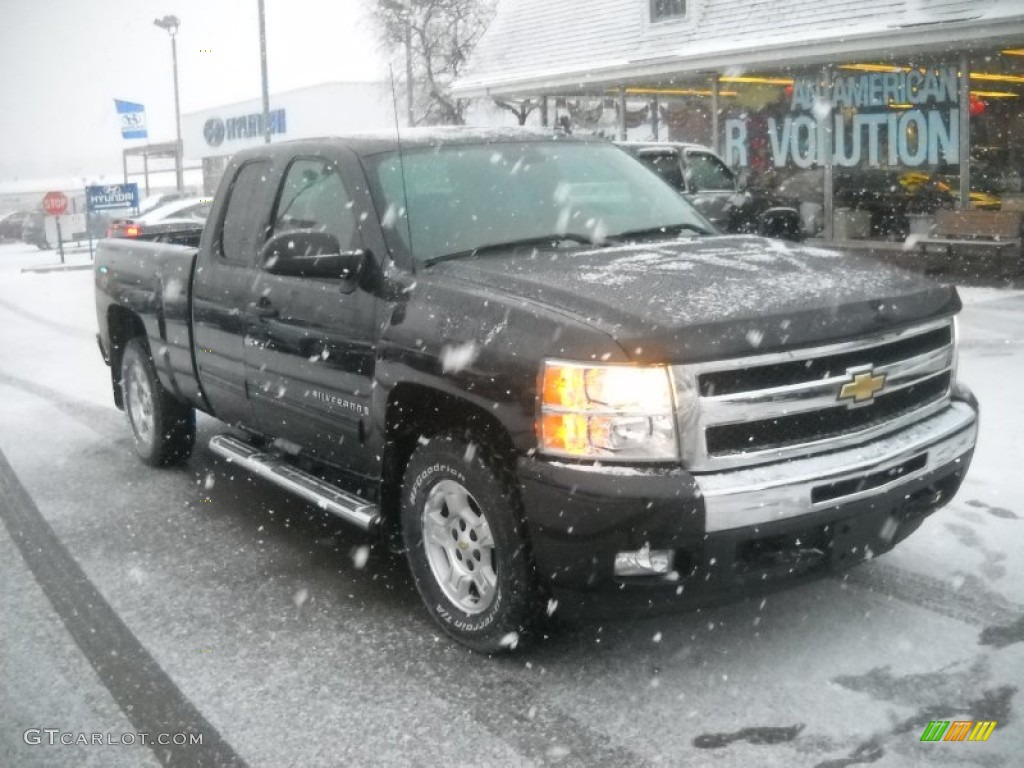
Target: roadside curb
x,y
59,268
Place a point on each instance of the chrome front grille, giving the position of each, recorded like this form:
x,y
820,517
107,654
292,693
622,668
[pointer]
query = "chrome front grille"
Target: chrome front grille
x,y
764,408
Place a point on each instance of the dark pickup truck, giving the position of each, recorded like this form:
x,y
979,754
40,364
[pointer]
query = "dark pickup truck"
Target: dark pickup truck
x,y
528,361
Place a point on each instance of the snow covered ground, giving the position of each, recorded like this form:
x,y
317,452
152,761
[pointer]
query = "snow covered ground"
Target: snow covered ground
x,y
267,624
975,538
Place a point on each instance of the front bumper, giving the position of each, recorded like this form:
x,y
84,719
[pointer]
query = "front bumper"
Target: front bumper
x,y
759,495
745,530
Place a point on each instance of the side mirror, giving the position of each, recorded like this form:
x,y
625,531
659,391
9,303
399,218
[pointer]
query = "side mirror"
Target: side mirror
x,y
308,253
742,181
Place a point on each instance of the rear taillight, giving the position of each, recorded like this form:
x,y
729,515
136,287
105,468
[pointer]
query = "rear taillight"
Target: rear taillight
x,y
123,229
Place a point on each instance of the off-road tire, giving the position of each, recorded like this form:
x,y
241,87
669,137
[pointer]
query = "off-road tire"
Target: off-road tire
x,y
461,519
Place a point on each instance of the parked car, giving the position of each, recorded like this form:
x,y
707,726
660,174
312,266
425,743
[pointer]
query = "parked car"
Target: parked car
x,y
186,213
33,230
707,182
153,202
529,363
11,224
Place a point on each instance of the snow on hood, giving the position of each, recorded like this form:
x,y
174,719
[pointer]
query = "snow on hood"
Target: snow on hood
x,y
682,282
743,282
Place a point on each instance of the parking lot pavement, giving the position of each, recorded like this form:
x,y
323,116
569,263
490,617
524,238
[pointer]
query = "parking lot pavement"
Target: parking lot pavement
x,y
293,640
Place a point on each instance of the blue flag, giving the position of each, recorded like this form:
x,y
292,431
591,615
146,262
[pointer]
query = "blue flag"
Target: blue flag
x,y
133,119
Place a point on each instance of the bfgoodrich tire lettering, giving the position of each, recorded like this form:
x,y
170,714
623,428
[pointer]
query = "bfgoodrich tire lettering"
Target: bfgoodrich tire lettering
x,y
466,545
164,429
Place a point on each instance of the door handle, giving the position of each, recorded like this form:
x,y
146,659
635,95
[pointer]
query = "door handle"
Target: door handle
x,y
263,309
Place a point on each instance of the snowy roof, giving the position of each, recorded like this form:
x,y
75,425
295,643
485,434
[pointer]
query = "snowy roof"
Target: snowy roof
x,y
537,45
374,142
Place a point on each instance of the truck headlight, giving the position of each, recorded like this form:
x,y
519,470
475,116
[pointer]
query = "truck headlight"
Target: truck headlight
x,y
607,412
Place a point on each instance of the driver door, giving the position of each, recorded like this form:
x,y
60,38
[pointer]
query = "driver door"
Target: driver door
x,y
310,341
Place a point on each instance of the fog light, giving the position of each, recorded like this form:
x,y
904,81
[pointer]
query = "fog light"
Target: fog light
x,y
644,562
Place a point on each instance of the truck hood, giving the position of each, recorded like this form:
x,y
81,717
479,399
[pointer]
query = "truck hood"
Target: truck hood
x,y
712,297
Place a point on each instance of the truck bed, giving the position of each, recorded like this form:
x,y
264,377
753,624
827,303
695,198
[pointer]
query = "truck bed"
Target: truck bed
x,y
152,280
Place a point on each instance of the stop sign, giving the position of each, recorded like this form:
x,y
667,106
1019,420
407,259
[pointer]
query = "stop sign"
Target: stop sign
x,y
55,203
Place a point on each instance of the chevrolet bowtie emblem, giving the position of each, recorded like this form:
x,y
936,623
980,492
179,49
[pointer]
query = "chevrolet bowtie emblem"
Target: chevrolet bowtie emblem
x,y
862,387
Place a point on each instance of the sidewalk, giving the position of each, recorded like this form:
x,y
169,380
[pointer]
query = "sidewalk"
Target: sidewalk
x,y
76,258
976,270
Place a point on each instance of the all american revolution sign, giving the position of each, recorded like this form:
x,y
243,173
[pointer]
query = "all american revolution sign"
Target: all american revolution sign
x,y
908,118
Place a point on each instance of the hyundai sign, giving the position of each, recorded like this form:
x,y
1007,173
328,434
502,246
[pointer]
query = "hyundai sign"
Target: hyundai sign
x,y
217,129
110,196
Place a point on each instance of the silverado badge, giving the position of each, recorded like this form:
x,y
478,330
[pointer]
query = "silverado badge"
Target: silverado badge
x,y
862,387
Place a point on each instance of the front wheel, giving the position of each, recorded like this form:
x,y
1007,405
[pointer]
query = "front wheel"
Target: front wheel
x,y
164,428
466,545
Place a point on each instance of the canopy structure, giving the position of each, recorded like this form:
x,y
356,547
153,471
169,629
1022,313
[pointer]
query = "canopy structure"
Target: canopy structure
x,y
162,151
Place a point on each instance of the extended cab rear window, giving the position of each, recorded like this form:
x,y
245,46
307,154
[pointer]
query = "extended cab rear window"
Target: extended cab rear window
x,y
242,231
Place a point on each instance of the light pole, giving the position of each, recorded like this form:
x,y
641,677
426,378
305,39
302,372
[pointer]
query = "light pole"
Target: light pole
x,y
263,73
408,66
171,24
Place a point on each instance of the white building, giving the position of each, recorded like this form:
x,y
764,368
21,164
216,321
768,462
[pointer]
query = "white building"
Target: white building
x,y
213,135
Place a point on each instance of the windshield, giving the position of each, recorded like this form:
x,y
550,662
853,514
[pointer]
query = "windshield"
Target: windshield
x,y
463,197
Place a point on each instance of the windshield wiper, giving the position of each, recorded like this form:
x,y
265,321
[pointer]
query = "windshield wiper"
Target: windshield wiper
x,y
509,245
665,231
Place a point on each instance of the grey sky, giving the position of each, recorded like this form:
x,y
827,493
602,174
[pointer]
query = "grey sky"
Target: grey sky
x,y
63,62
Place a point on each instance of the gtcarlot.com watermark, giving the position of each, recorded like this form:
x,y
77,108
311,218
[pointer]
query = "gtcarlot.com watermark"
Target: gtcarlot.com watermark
x,y
57,737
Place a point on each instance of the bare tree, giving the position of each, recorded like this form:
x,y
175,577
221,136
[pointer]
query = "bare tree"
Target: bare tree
x,y
522,109
438,36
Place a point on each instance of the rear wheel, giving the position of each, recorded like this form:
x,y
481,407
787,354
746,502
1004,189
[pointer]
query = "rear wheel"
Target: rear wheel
x,y
164,429
466,545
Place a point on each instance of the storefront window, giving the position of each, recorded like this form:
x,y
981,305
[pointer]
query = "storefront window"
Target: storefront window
x,y
774,146
889,129
684,114
892,133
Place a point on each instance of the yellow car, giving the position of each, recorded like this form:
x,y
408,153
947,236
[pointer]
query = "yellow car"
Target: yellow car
x,y
912,181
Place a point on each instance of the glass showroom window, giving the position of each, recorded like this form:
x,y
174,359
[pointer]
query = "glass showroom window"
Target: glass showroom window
x,y
892,132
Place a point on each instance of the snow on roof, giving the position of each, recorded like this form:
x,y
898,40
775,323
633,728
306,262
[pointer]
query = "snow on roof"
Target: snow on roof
x,y
537,44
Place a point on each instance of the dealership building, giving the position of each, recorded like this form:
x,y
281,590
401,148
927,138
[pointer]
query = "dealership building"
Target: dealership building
x,y
212,136
819,99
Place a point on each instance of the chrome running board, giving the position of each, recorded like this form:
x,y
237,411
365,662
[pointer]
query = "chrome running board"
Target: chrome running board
x,y
347,506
